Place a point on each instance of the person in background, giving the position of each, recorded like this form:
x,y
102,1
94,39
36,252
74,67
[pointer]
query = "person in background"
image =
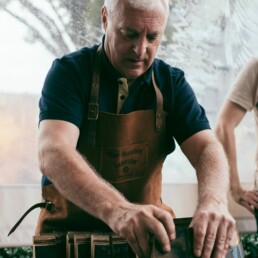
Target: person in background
x,y
242,97
109,115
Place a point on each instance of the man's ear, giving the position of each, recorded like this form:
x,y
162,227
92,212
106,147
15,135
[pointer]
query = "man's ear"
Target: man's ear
x,y
104,17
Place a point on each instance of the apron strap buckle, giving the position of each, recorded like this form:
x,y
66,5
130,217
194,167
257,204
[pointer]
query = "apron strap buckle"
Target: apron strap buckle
x,y
93,111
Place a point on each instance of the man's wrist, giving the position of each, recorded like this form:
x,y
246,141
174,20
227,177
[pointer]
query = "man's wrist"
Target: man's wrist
x,y
110,212
211,200
235,189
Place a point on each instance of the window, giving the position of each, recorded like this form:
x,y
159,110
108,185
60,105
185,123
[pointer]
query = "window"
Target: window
x,y
209,40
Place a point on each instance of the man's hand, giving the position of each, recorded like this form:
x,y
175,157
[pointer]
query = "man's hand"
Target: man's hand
x,y
212,224
213,230
140,223
248,199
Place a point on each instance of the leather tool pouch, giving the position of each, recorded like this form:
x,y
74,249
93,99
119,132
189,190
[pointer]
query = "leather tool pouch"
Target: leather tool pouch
x,y
81,245
108,245
51,245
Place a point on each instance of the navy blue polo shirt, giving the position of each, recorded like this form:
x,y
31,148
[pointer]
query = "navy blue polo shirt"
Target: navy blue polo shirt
x,y
66,93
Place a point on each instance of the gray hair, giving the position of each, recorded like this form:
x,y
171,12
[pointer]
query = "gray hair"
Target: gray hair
x,y
138,4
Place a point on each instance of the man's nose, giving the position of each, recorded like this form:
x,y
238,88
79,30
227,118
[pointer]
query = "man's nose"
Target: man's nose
x,y
140,46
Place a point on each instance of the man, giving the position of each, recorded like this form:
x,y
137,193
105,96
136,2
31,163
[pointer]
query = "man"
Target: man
x,y
101,148
242,97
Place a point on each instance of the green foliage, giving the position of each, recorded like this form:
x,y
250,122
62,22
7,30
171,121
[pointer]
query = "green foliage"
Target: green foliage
x,y
250,245
16,252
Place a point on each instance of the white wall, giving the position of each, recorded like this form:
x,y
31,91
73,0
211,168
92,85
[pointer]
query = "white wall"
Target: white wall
x,y
15,200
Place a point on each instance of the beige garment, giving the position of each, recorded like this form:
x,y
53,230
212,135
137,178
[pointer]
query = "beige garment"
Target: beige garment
x,y
244,92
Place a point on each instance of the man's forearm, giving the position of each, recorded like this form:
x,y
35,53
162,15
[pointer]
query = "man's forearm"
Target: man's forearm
x,y
212,174
212,223
78,182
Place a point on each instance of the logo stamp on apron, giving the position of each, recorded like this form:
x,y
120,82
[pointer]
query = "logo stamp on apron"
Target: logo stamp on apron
x,y
123,164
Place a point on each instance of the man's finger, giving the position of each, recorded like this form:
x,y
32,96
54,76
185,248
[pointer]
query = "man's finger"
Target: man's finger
x,y
222,240
248,207
210,236
167,221
230,232
133,242
200,228
157,229
143,240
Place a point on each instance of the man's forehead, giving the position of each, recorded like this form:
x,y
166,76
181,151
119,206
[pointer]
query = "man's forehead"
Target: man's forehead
x,y
138,30
138,23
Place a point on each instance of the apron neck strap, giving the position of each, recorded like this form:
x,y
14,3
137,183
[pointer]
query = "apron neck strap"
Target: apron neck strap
x,y
159,106
93,107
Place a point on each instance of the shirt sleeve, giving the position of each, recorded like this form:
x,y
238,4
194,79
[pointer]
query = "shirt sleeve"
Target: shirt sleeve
x,y
63,94
187,115
244,91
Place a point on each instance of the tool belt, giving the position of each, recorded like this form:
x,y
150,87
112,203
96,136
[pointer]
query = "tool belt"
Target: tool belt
x,y
109,245
81,245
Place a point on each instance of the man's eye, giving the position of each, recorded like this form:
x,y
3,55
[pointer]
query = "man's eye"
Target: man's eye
x,y
130,35
152,38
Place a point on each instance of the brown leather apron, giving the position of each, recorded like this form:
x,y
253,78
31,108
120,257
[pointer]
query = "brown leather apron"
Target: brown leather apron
x,y
127,150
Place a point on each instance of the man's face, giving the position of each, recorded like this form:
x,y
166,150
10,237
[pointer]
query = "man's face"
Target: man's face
x,y
132,38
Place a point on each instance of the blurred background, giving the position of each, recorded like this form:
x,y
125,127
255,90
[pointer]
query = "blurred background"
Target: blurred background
x,y
209,40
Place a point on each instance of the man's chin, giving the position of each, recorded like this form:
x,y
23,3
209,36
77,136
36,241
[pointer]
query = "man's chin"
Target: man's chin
x,y
133,74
